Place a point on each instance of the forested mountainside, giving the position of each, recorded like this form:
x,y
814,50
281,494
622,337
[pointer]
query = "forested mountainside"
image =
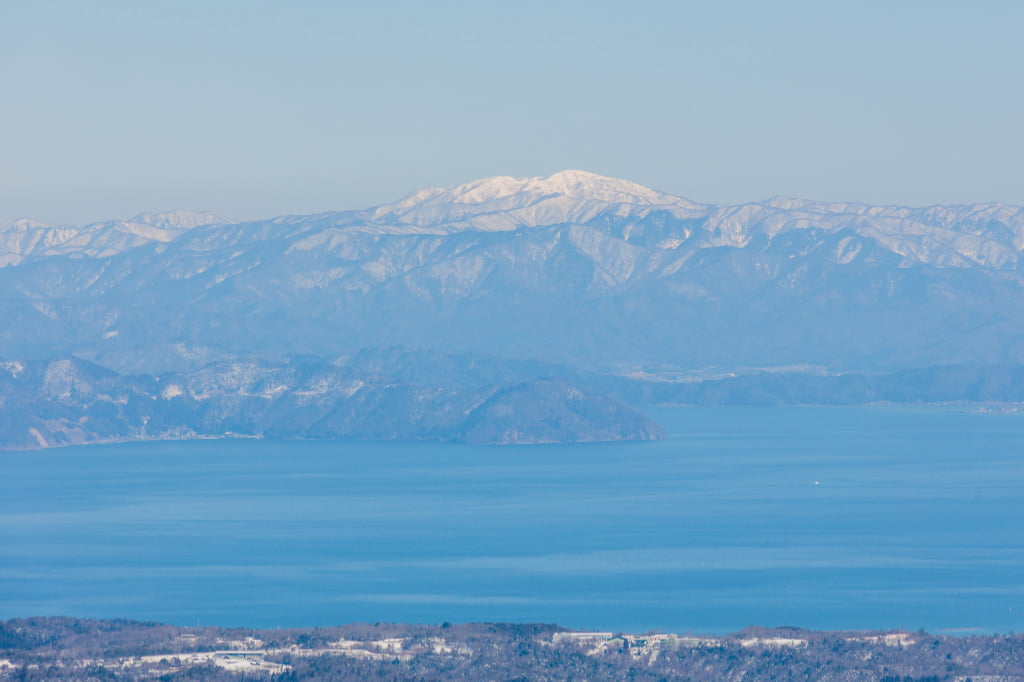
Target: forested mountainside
x,y
401,394
72,401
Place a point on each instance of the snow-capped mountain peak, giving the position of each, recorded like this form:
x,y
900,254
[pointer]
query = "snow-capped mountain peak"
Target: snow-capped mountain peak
x,y
505,203
574,184
579,185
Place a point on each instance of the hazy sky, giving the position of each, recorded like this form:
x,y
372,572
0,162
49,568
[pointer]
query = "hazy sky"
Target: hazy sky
x,y
258,108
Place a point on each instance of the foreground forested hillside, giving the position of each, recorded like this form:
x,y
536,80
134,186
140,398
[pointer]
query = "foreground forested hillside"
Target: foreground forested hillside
x,y
72,649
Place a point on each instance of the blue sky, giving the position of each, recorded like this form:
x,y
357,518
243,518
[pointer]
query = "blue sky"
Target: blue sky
x,y
259,108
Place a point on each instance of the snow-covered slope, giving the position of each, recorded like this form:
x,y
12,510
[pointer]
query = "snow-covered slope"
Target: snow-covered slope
x,y
28,238
991,235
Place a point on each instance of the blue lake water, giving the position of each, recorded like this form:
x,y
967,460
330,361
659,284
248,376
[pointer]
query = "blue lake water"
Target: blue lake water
x,y
819,517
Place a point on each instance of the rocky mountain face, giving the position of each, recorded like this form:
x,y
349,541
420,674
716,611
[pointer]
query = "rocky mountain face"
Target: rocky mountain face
x,y
575,268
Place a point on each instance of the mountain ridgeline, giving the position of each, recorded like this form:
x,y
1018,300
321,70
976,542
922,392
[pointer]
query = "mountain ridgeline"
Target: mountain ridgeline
x,y
572,287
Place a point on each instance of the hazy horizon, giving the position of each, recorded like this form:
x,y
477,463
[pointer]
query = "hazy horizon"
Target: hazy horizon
x,y
253,109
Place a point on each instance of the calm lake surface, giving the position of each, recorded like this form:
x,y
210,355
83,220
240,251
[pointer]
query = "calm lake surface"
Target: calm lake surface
x,y
819,517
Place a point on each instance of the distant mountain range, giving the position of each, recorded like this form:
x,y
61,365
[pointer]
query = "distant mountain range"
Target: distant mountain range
x,y
571,268
605,275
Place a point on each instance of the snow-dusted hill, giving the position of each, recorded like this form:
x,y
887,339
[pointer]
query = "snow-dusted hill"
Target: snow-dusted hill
x,y
574,267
